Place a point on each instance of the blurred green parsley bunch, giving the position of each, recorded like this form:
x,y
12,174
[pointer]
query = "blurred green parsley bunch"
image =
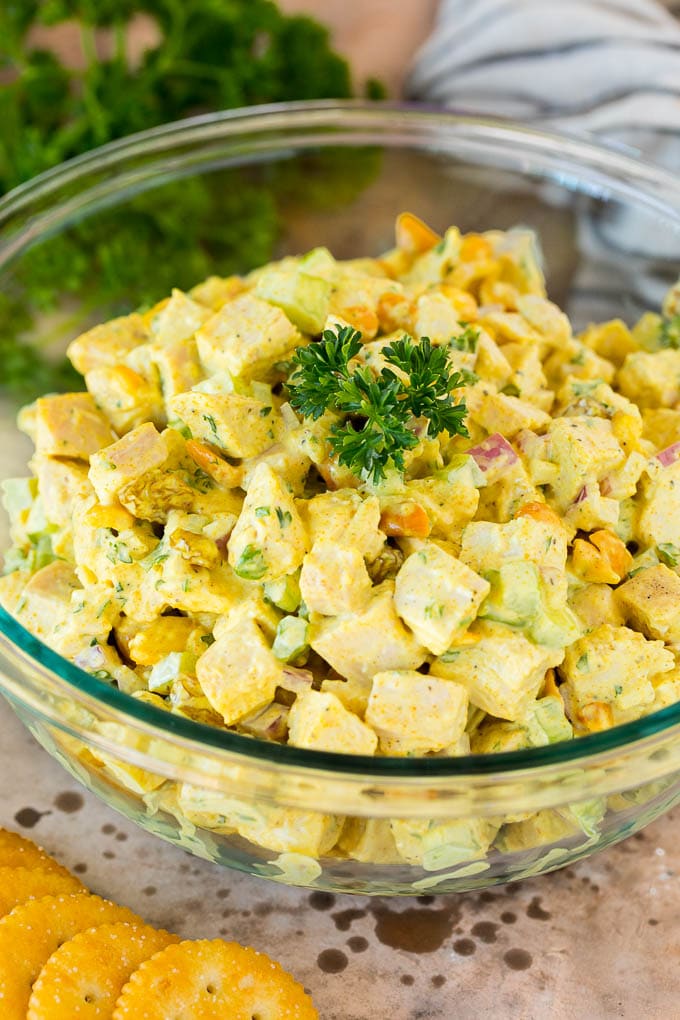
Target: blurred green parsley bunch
x,y
212,54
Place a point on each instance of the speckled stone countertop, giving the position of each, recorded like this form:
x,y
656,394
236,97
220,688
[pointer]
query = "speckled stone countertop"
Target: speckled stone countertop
x,y
597,941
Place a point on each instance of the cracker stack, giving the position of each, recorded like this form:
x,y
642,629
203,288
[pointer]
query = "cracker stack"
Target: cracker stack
x,y
66,954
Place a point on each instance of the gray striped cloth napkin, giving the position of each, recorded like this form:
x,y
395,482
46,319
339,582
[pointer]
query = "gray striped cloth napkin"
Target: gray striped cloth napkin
x,y
603,68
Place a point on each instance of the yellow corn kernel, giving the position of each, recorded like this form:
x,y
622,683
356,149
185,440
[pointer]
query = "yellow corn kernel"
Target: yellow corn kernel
x,y
611,546
474,247
596,716
114,516
412,235
165,635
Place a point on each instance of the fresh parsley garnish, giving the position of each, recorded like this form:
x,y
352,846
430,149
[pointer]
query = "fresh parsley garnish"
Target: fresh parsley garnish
x,y
379,414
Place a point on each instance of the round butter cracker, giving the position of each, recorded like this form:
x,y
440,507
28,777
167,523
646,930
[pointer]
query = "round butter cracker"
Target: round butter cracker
x,y
18,852
84,977
34,930
212,980
19,885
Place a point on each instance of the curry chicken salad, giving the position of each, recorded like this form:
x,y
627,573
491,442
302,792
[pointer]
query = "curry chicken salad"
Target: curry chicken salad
x,y
384,506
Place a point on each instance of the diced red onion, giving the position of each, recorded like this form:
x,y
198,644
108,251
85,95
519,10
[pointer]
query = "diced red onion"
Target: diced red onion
x,y
669,455
271,723
90,658
493,455
583,494
277,726
296,680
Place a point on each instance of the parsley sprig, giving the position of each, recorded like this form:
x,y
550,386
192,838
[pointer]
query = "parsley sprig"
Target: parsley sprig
x,y
379,413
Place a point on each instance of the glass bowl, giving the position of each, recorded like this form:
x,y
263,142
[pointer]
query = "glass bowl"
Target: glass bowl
x,y
246,186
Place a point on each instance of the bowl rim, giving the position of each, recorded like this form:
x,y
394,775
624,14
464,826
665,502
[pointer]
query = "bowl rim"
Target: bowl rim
x,y
74,681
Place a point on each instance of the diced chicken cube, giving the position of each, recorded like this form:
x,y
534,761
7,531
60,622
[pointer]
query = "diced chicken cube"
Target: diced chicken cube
x,y
650,601
70,425
269,538
177,364
595,604
435,844
651,379
586,450
612,340
488,546
491,362
509,415
94,611
239,673
437,596
661,426
334,579
355,299
215,291
320,720
127,398
541,829
241,426
245,338
178,319
437,318
61,483
148,473
416,714
659,517
346,519
108,343
612,666
527,374
283,830
45,601
358,646
449,502
369,840
502,672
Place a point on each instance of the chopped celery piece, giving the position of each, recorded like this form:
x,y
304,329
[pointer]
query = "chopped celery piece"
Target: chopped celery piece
x,y
284,592
290,642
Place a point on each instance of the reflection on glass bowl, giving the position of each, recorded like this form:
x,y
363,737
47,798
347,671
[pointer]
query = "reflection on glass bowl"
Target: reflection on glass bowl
x,y
239,189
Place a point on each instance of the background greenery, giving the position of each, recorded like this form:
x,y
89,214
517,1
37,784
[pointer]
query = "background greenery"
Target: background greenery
x,y
211,54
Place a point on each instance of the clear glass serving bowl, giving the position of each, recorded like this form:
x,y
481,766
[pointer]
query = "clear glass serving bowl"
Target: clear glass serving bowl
x,y
336,174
